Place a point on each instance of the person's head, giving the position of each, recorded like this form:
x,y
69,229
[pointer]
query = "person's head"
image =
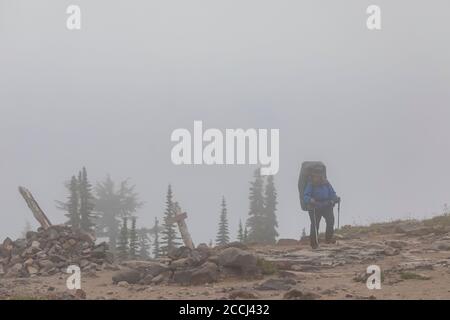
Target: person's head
x,y
317,178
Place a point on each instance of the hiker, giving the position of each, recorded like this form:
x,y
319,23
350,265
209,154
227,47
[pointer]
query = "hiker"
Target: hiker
x,y
320,198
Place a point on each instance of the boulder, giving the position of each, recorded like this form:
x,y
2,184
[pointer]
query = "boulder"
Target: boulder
x,y
182,263
242,260
178,253
277,284
206,273
162,277
130,276
146,268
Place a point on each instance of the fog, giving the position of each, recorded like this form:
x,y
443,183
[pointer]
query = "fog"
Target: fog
x,y
373,105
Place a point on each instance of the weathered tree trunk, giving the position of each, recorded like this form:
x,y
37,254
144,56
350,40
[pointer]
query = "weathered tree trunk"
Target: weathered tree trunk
x,y
35,209
180,219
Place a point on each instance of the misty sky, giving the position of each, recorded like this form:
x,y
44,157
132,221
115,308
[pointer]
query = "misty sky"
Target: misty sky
x,y
373,105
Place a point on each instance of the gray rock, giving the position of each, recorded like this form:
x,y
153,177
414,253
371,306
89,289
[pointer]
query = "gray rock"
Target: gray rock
x,y
182,277
206,273
397,244
298,294
243,294
147,267
178,253
162,277
237,258
130,275
276,284
182,263
46,264
15,271
441,245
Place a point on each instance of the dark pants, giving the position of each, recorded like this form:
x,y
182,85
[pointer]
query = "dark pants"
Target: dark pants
x,y
315,216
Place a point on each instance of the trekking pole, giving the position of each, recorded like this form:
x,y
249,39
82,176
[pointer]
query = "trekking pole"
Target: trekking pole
x,y
339,211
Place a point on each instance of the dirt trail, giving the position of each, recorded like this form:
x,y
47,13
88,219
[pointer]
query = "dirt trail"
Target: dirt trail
x,y
413,267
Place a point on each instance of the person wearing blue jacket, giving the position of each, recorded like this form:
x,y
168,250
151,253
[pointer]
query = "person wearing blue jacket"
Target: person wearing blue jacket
x,y
320,198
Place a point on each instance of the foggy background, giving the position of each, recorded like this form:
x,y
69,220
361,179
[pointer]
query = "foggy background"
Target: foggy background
x,y
373,105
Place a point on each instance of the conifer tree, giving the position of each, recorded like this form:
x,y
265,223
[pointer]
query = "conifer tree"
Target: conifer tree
x,y
156,246
255,221
112,203
122,245
270,206
86,202
240,236
73,205
169,233
133,240
144,244
223,232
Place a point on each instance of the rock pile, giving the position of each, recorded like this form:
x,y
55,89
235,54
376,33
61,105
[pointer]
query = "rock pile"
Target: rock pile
x,y
51,251
191,267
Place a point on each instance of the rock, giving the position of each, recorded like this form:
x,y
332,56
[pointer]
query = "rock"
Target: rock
x,y
243,294
178,253
52,250
203,247
297,294
130,275
182,277
36,244
389,251
287,274
235,244
46,264
32,270
415,265
206,273
397,244
415,230
146,267
236,258
52,233
181,263
80,294
276,284
123,284
441,245
162,277
31,235
14,271
288,242
28,262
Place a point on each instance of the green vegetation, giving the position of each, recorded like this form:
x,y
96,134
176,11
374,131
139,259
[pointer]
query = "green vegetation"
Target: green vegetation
x,y
267,267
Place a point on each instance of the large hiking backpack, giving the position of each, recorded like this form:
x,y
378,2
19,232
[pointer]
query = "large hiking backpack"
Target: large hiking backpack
x,y
308,167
